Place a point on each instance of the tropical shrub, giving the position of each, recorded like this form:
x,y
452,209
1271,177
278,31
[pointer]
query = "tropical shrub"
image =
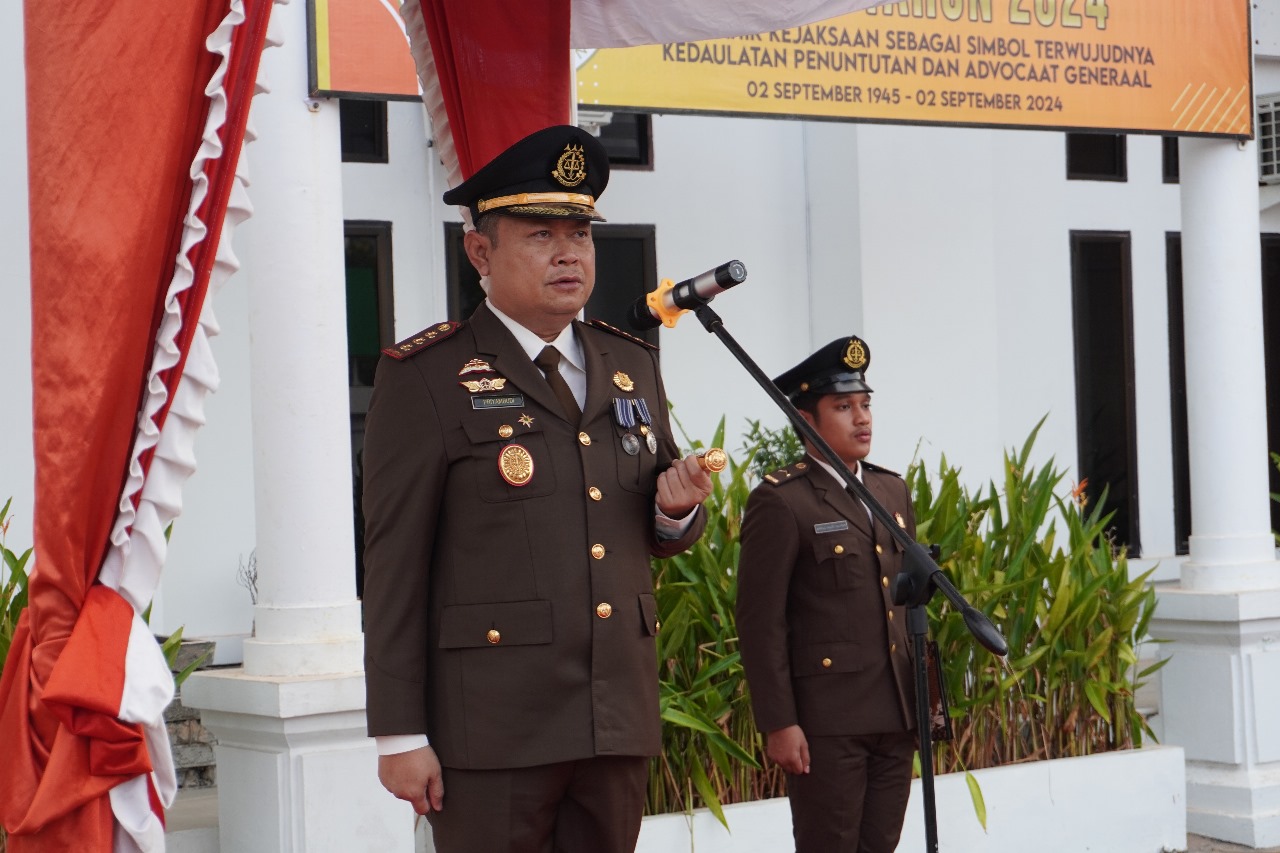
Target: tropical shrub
x,y
13,585
1029,554
1275,496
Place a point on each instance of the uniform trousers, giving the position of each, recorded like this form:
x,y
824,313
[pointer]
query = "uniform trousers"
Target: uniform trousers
x,y
854,796
588,806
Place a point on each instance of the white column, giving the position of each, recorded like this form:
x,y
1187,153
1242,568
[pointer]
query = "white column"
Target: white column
x,y
1220,691
1231,543
295,769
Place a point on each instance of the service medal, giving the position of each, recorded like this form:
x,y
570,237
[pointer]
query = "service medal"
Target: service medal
x,y
515,464
630,444
651,442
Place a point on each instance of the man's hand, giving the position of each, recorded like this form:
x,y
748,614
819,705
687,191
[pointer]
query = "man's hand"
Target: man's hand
x,y
788,749
682,487
414,776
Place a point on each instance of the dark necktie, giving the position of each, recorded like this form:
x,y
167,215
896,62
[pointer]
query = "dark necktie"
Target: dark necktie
x,y
549,361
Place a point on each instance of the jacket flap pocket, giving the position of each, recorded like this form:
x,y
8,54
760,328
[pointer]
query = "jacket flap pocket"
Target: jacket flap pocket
x,y
484,427
822,658
499,623
833,546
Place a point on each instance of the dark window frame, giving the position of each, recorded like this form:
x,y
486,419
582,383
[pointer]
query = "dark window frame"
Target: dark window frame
x,y
1079,172
1131,537
380,152
644,141
381,231
1181,447
1170,168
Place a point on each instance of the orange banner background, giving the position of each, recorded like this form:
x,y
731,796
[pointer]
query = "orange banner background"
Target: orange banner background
x,y
1177,66
359,47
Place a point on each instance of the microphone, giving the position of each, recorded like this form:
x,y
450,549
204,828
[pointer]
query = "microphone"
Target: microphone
x,y
664,305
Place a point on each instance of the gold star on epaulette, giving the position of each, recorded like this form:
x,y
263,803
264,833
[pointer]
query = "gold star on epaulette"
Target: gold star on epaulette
x,y
415,344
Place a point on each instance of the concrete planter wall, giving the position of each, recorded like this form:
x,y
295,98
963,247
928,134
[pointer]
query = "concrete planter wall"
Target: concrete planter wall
x,y
1129,802
1121,802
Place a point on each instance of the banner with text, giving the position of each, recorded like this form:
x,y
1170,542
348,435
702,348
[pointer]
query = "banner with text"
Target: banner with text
x,y
1177,66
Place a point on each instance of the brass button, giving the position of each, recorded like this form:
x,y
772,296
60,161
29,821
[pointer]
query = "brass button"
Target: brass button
x,y
493,636
657,626
584,439
839,549
893,647
604,610
890,615
879,550
595,493
505,430
826,663
597,551
884,582
800,466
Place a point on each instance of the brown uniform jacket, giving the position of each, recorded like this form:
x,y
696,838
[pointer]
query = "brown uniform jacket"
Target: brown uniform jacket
x,y
493,622
822,643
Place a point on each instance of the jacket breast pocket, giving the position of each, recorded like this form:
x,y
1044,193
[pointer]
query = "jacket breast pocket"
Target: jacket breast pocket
x,y
836,555
506,465
498,623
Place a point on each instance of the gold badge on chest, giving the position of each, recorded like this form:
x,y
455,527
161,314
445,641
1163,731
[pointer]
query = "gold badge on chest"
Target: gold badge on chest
x,y
479,386
623,381
515,464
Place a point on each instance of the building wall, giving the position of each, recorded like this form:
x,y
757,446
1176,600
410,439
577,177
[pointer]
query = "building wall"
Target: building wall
x,y
946,248
16,465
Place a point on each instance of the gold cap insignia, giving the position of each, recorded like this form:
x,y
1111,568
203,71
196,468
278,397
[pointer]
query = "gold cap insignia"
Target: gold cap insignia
x,y
476,386
515,464
571,168
623,381
475,365
855,355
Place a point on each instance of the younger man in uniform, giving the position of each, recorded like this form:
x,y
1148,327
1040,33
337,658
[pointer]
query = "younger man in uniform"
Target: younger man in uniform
x,y
823,645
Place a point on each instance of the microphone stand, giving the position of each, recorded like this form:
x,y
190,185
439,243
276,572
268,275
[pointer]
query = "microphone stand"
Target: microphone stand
x,y
913,586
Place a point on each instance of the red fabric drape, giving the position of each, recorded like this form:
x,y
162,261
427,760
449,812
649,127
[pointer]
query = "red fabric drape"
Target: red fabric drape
x,y
116,106
503,70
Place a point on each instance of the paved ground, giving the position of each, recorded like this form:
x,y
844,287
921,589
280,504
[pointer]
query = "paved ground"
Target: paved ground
x,y
1200,844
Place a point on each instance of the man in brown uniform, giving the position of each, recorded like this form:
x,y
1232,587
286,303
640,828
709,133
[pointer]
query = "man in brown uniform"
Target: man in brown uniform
x,y
824,647
519,473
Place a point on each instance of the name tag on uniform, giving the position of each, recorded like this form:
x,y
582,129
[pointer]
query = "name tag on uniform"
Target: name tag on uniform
x,y
830,526
506,401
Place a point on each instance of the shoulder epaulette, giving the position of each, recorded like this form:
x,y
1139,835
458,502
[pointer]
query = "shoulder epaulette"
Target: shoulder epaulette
x,y
428,336
601,324
794,471
864,463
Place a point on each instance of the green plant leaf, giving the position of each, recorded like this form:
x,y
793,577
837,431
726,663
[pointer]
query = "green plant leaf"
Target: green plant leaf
x,y
975,795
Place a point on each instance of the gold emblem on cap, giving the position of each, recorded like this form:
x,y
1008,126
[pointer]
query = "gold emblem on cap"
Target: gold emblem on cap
x,y
855,355
515,465
623,381
571,168
898,517
476,386
475,365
